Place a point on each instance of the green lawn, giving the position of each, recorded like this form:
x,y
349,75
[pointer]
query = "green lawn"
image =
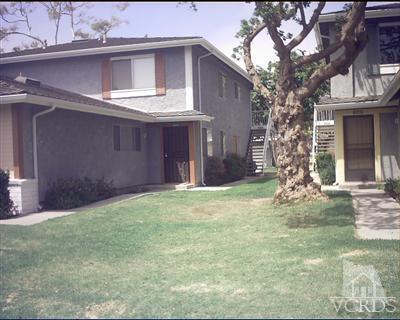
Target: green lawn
x,y
190,254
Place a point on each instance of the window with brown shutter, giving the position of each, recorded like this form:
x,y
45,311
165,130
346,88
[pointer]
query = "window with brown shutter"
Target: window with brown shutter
x,y
134,76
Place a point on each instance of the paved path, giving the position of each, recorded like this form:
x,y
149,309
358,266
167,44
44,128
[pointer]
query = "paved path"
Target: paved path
x,y
34,218
227,186
377,214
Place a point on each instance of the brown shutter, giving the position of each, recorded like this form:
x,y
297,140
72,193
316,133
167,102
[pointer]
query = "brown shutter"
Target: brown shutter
x,y
106,78
160,74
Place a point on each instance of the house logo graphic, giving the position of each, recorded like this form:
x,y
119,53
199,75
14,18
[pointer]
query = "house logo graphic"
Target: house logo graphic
x,y
362,291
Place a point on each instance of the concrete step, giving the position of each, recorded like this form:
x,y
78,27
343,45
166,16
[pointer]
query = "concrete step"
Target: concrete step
x,y
358,185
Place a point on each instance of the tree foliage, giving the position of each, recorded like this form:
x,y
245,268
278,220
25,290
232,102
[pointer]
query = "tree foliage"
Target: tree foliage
x,y
16,19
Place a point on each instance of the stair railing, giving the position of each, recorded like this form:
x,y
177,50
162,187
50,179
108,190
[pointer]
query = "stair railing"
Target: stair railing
x,y
266,139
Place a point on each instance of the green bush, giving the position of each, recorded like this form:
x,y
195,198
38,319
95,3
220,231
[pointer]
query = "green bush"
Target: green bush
x,y
7,209
235,167
214,174
71,193
326,168
392,186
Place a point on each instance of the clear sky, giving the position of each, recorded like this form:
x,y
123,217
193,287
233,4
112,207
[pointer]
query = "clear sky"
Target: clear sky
x,y
217,22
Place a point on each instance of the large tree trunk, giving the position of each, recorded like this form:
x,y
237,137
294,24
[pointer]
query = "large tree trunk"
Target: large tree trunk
x,y
293,154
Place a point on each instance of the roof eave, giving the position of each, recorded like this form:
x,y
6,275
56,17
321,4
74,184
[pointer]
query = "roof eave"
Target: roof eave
x,y
355,105
130,47
201,117
368,15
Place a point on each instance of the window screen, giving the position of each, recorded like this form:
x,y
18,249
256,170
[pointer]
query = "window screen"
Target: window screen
x,y
121,75
389,44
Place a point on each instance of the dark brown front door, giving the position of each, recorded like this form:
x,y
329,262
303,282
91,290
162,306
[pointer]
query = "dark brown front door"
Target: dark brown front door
x,y
176,154
359,148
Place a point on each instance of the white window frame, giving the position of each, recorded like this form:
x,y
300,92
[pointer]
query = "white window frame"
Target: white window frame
x,y
128,93
389,68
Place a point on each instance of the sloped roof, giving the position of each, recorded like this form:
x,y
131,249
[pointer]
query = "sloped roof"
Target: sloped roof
x,y
379,11
25,90
10,86
92,43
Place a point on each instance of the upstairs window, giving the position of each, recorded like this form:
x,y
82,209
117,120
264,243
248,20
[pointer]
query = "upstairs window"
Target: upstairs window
x,y
222,84
237,91
133,76
389,47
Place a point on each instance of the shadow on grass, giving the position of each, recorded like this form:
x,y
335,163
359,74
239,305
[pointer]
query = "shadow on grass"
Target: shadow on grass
x,y
339,214
267,177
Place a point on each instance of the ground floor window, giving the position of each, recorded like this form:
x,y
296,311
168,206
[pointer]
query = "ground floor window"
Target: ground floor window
x,y
235,144
127,138
222,141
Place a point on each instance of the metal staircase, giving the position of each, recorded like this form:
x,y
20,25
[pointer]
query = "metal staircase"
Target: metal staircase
x,y
255,151
259,144
323,134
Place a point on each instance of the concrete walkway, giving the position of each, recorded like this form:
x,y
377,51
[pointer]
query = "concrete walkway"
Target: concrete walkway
x,y
377,214
34,218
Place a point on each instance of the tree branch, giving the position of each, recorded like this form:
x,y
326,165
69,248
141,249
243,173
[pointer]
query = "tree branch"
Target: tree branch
x,y
251,69
307,27
279,44
6,34
302,15
354,38
318,55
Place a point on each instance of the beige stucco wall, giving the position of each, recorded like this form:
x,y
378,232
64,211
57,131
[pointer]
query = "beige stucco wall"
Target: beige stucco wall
x,y
339,140
6,139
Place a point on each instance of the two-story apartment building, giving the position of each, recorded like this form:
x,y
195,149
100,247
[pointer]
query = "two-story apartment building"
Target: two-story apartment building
x,y
363,110
132,110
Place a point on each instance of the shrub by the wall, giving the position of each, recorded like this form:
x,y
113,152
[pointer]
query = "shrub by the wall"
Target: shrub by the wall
x,y
71,193
392,186
6,204
214,174
235,167
104,189
326,168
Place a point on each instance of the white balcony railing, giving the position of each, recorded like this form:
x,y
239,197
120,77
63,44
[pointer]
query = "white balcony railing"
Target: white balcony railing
x,y
325,117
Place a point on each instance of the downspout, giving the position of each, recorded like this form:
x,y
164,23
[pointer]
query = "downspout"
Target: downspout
x,y
201,124
35,160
